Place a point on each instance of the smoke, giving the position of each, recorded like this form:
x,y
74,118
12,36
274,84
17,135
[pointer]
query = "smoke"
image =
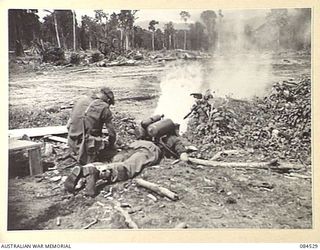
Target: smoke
x,y
235,70
240,76
178,82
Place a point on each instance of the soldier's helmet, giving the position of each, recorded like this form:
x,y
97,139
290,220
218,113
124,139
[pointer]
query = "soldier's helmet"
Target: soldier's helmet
x,y
108,92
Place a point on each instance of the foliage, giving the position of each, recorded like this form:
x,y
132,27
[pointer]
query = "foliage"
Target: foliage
x,y
185,15
278,17
117,32
96,56
75,58
209,17
55,55
277,125
152,24
24,26
169,32
198,37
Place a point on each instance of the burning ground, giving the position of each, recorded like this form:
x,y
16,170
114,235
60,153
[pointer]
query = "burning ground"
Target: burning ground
x,y
276,124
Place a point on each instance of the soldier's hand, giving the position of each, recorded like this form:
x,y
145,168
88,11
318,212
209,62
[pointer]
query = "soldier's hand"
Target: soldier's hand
x,y
184,157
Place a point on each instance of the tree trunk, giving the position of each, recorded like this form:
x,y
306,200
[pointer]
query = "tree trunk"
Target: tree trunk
x,y
121,38
127,41
169,42
56,28
153,41
18,45
185,40
133,43
90,45
74,30
42,45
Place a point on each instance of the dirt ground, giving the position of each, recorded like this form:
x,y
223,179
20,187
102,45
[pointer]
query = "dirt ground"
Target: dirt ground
x,y
208,197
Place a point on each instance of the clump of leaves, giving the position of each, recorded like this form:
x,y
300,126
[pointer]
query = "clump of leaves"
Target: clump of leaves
x,y
96,56
277,125
75,59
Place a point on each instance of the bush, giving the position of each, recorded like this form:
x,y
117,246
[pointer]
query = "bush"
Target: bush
x,y
55,55
75,59
96,57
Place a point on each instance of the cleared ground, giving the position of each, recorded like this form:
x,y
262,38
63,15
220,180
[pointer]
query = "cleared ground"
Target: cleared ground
x,y
209,197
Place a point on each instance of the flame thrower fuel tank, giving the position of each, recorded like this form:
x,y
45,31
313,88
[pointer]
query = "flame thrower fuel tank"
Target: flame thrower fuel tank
x,y
146,122
161,128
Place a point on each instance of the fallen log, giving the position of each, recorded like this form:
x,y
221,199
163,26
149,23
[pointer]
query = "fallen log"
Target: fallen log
x,y
91,224
232,164
130,223
299,176
268,165
157,189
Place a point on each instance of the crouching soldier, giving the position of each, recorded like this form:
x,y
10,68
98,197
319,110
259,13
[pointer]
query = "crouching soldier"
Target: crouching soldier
x,y
156,139
88,116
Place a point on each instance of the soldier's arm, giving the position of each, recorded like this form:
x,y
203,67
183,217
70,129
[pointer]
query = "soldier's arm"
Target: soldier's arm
x,y
68,124
107,120
175,143
112,133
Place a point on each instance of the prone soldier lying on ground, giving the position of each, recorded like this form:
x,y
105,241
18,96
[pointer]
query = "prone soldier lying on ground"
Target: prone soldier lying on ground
x,y
156,138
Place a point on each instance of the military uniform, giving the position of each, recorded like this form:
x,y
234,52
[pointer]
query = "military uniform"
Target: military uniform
x,y
85,128
141,154
128,164
156,141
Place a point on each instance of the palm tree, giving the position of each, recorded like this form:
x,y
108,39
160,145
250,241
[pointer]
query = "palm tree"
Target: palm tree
x,y
152,28
55,26
184,16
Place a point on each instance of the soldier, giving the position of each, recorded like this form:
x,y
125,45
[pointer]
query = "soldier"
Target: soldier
x,y
156,140
88,116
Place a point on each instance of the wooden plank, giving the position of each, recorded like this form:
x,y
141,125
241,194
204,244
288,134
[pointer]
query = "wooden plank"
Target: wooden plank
x,y
35,165
58,139
41,131
38,132
22,144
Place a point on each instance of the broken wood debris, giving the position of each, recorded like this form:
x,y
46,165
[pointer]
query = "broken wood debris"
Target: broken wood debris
x,y
202,162
181,225
130,223
299,176
95,221
57,139
58,221
157,189
152,197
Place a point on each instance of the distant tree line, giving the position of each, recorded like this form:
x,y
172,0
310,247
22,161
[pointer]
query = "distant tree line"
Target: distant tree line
x,y
282,30
119,32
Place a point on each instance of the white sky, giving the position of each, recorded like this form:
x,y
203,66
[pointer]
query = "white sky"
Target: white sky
x,y
165,15
143,15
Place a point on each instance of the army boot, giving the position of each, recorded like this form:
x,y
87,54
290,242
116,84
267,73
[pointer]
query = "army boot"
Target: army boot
x,y
91,174
105,175
73,179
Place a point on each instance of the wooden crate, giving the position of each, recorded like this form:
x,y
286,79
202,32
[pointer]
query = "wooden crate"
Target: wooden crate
x,y
34,153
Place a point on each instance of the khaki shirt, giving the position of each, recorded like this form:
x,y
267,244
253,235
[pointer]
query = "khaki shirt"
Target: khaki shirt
x,y
95,112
